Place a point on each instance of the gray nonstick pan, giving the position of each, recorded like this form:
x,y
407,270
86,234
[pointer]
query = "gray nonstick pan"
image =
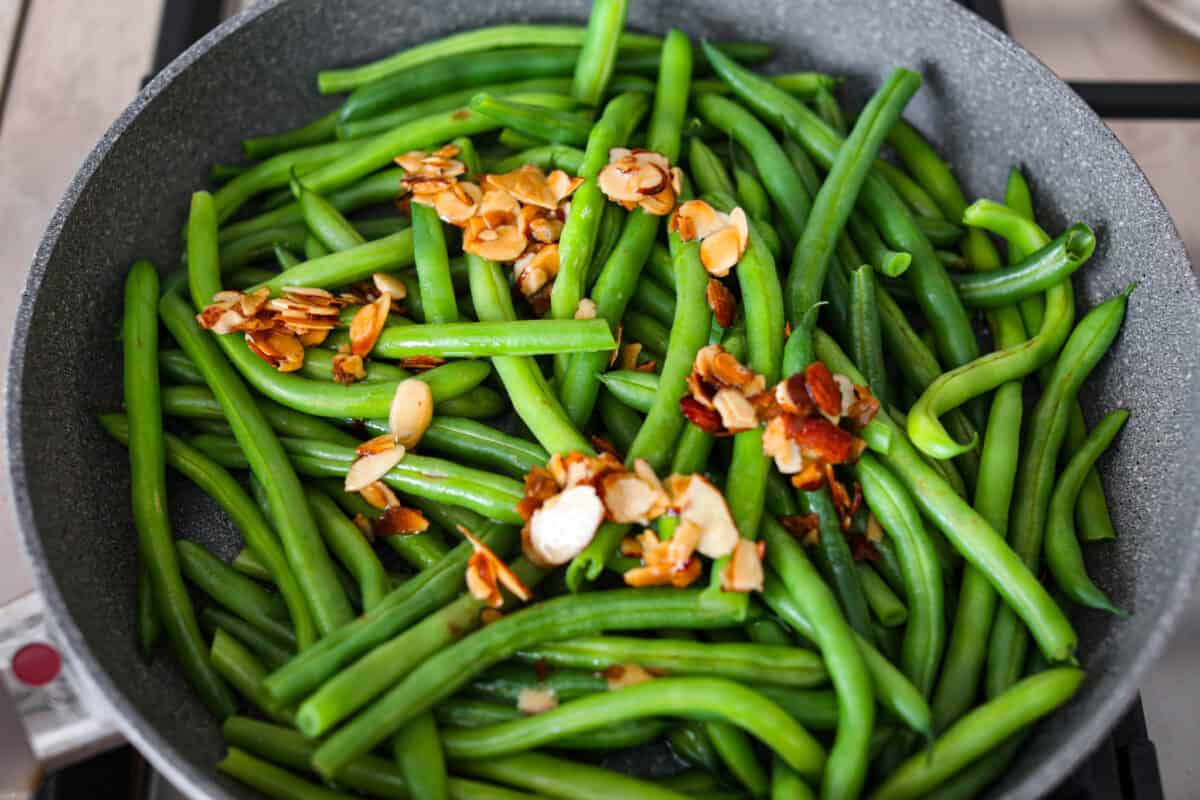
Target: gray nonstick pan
x,y
987,104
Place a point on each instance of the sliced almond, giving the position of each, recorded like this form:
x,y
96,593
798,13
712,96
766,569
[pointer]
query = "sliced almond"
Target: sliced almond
x,y
536,701
486,572
368,469
528,185
504,243
562,185
696,219
619,676
703,504
348,368
744,572
368,324
390,285
565,524
379,495
630,499
497,207
376,445
737,414
586,309
683,544
720,252
411,412
398,520
459,203
619,184
779,445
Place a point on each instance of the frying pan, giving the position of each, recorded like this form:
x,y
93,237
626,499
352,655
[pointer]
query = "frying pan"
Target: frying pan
x,y
986,103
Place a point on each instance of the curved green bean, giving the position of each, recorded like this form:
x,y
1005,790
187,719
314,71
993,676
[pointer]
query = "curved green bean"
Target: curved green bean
x,y
418,751
244,672
557,777
598,55
347,542
535,121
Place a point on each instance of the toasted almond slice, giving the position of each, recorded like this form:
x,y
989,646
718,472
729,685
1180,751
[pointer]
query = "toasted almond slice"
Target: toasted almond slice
x,y
650,158
504,244
722,302
289,352
874,529
528,185
379,495
565,524
411,161
314,337
219,320
652,179
390,285
308,293
703,504
562,185
489,569
252,302
660,203
619,183
702,220
619,676
421,363
737,413
367,324
226,297
368,469
376,445
683,544
744,572
459,204
497,207
545,229
737,218
719,253
411,412
629,499
629,355
447,151
397,520
778,445
536,701
586,309
847,388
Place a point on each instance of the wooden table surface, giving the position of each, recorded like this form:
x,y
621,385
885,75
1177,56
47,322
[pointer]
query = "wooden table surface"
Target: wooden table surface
x,y
71,66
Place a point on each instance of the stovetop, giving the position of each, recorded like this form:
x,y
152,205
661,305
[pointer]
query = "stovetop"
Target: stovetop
x,y
1124,767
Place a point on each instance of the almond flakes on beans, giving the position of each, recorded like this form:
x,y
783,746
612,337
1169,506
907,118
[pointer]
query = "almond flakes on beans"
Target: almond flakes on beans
x,y
644,179
723,237
486,573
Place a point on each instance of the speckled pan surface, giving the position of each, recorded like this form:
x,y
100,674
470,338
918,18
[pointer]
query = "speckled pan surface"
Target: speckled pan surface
x,y
987,104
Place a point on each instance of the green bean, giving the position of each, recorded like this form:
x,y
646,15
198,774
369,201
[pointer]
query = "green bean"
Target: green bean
x,y
234,591
374,189
149,628
260,244
1036,273
1063,555
175,364
893,690
942,233
689,332
887,261
273,652
267,459
845,770
655,301
736,751
690,742
660,267
244,672
707,170
482,445
840,190
433,266
228,493
779,176
578,238
275,172
419,550
514,139
914,195
223,173
546,157
469,156
866,341
786,783
833,556
743,707
925,633
780,665
418,752
386,665
249,565
534,121
579,386
364,156
935,293
198,402
598,55
638,390
347,266
620,422
272,781
347,542
885,605
319,131
147,464
647,331
442,675
751,193
986,373
527,388
632,733
324,221
432,589
556,777
970,533
506,682
981,730
527,337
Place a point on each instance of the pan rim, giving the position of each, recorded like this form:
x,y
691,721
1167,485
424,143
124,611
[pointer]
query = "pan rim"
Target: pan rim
x,y
200,783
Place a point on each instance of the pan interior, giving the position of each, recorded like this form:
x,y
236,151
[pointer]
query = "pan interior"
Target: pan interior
x,y
985,102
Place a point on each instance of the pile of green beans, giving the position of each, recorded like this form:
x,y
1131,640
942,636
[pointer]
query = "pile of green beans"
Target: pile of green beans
x,y
344,659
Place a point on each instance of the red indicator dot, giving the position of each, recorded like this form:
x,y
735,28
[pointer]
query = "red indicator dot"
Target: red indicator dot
x,y
36,664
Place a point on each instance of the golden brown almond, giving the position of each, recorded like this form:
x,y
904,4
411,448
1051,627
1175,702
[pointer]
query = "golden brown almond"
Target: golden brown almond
x,y
527,184
397,520
630,499
682,545
744,572
497,207
722,302
720,252
379,495
701,503
348,368
538,700
737,414
562,185
503,244
389,285
620,676
376,445
368,469
282,351
421,363
486,572
367,324
411,412
459,203
586,309
696,219
778,445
